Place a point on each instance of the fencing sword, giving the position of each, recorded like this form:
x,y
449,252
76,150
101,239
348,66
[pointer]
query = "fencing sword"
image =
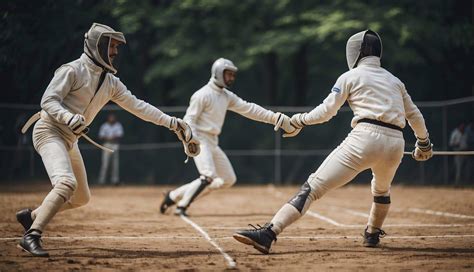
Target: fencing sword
x,y
447,153
95,143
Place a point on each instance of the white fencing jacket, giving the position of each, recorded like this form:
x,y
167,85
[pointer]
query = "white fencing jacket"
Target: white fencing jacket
x,y
208,107
72,91
372,92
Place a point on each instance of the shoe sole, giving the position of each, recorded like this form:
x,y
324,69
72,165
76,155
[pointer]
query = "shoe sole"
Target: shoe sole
x,y
370,245
25,250
248,241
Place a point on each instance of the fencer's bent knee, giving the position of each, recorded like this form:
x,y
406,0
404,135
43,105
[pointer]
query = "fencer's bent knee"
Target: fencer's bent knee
x,y
65,187
216,183
382,199
82,200
230,181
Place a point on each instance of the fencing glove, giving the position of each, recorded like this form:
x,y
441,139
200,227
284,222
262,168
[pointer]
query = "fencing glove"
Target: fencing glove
x,y
423,150
77,123
185,135
284,122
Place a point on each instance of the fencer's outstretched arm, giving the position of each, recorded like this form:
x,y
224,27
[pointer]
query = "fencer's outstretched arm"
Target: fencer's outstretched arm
x,y
125,99
250,110
413,115
423,147
328,109
258,113
59,87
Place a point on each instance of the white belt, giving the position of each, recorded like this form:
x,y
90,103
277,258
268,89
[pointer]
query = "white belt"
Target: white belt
x,y
35,117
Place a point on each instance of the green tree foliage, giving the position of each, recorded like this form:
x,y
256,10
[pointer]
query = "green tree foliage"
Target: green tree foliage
x,y
289,52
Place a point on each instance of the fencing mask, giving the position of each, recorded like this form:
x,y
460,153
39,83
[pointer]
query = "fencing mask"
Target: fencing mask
x,y
218,68
363,44
96,45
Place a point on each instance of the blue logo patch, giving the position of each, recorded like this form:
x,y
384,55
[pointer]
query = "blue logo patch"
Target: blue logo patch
x,y
336,89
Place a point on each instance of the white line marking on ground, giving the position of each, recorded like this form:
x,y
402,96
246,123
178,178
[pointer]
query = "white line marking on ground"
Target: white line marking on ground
x,y
361,226
230,238
387,237
356,213
416,210
107,237
229,259
335,223
326,219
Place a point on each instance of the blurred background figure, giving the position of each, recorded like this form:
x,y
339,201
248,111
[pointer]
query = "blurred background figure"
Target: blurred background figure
x,y
110,133
458,142
469,136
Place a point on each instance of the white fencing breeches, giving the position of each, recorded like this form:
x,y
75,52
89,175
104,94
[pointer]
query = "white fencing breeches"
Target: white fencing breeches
x,y
367,146
107,157
212,163
66,171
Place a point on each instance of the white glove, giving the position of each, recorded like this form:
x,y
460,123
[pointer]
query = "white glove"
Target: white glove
x,y
423,150
77,123
283,121
185,135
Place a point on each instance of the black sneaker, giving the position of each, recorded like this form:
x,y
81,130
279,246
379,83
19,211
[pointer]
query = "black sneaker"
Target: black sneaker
x,y
373,239
260,238
180,211
166,203
31,242
24,218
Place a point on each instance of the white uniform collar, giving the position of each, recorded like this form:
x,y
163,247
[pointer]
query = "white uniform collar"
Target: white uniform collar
x,y
214,86
369,61
90,64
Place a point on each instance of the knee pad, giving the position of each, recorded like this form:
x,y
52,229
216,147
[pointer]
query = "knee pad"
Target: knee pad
x,y
65,188
302,199
205,181
382,199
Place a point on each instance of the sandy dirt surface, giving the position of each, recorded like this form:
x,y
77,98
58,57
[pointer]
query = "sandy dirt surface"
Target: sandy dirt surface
x,y
121,229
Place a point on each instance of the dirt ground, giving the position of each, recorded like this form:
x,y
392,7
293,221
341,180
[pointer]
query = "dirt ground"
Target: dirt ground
x,y
121,229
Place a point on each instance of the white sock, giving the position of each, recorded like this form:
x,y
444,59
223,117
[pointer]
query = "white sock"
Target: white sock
x,y
284,217
378,212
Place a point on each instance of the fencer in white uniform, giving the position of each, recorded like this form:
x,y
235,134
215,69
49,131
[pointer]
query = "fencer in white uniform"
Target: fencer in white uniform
x,y
206,114
380,104
73,98
110,132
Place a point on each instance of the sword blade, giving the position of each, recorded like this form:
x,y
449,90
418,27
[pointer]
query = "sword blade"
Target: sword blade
x,y
96,144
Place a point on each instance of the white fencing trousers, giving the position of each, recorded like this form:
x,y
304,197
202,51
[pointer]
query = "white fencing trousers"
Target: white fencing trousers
x,y
107,157
63,163
367,146
211,162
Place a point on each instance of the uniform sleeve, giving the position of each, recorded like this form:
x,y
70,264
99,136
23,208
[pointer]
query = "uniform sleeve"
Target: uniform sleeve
x,y
102,131
250,110
197,104
413,115
333,102
59,87
125,99
119,130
